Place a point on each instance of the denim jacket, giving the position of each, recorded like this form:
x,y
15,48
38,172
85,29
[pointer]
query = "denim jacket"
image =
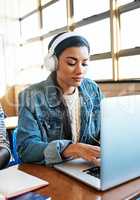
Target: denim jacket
x,y
44,128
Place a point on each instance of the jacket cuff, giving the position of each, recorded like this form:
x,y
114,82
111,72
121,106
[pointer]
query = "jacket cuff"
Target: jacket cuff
x,y
54,150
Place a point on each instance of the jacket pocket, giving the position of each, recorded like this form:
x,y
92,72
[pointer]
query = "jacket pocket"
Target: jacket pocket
x,y
52,128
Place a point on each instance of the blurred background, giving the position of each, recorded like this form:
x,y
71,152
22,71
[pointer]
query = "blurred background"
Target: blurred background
x,y
27,26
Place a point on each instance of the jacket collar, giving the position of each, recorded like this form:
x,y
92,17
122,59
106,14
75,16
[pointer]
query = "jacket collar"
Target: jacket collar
x,y
54,94
84,93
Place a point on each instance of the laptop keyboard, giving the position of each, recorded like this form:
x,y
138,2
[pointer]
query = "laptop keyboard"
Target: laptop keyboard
x,y
93,171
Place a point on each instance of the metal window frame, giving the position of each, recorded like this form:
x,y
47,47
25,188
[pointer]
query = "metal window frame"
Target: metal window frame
x,y
114,15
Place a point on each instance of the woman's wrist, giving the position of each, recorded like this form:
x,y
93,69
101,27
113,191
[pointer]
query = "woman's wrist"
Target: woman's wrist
x,y
70,151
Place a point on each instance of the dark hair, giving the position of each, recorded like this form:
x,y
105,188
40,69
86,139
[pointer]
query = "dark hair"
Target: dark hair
x,y
73,41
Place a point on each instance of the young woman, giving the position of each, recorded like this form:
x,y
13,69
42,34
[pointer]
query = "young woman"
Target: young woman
x,y
4,143
59,118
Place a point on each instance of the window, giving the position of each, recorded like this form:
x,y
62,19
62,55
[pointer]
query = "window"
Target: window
x,y
2,68
31,75
8,9
129,67
43,2
130,33
30,64
100,69
122,2
27,6
88,8
45,45
10,58
55,16
99,42
30,26
92,20
30,55
13,32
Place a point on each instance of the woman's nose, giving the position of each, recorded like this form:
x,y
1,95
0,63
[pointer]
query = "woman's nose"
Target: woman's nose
x,y
79,68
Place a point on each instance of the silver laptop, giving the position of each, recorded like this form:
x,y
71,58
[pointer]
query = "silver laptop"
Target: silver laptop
x,y
120,146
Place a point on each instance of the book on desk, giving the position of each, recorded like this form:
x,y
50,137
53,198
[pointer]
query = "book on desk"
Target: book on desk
x,y
14,182
31,196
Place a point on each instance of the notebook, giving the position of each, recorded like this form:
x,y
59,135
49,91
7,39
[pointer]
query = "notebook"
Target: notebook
x,y
120,146
31,196
14,182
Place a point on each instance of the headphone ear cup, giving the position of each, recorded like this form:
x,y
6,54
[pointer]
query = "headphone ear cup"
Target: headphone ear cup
x,y
51,62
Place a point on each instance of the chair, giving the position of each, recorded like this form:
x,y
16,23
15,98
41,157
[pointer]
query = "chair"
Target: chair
x,y
16,159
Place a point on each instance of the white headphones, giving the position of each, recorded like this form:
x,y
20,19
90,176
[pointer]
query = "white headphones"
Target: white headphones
x,y
51,60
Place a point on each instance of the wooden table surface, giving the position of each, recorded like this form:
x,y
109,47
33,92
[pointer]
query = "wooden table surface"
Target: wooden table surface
x,y
64,187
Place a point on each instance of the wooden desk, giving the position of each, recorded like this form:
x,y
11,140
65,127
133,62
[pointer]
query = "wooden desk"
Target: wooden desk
x,y
11,122
63,187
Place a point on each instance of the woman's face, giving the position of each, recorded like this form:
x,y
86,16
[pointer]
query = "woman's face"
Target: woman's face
x,y
72,67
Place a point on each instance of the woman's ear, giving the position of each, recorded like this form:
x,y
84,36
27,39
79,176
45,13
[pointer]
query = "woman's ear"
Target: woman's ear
x,y
51,62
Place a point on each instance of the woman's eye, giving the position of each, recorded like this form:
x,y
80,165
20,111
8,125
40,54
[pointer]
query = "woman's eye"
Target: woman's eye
x,y
71,64
85,64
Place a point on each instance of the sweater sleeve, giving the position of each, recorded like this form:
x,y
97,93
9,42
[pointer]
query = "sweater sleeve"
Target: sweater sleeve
x,y
4,142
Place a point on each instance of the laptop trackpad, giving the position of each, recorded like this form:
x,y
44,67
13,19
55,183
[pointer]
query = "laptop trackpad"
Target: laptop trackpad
x,y
79,168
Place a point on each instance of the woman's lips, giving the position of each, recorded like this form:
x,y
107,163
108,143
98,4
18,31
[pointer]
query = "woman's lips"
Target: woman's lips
x,y
77,78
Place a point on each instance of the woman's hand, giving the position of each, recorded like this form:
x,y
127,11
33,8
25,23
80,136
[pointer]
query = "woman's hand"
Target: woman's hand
x,y
89,152
86,151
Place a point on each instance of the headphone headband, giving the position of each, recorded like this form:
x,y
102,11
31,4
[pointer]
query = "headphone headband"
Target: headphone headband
x,y
59,39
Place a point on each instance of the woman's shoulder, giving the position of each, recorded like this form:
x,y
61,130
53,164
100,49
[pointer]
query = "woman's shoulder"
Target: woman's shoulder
x,y
34,88
39,87
89,84
91,88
